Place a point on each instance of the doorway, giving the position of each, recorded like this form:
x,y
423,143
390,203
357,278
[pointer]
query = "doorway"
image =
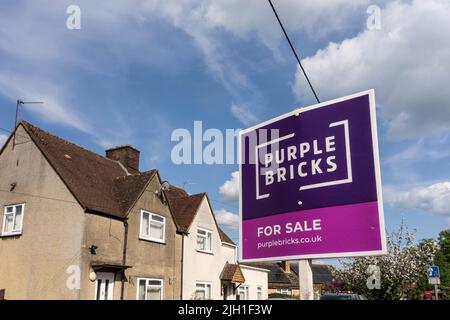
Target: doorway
x,y
104,286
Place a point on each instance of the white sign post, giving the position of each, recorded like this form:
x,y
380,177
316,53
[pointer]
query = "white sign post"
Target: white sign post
x,y
305,278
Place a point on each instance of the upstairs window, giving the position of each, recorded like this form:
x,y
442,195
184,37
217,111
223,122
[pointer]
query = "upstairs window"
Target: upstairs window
x,y
12,219
204,240
152,227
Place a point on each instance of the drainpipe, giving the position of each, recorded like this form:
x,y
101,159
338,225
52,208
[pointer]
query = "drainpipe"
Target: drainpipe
x,y
124,257
182,264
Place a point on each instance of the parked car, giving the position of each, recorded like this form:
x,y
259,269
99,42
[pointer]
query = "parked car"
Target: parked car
x,y
342,296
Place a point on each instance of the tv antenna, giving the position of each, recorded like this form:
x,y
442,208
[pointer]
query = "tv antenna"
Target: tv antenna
x,y
19,104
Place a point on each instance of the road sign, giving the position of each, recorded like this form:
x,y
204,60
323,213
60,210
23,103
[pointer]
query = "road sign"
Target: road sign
x,y
310,184
434,281
433,272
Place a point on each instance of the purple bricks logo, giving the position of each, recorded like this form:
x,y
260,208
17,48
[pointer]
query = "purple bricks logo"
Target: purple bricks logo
x,y
310,183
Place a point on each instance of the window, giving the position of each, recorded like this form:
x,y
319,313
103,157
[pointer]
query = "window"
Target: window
x,y
242,293
12,219
286,292
152,227
150,289
259,293
203,291
204,240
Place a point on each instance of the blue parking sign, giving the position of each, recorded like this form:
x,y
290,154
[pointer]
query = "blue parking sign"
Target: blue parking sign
x,y
433,272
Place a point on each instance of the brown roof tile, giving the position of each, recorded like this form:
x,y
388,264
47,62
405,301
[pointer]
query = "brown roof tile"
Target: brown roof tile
x,y
175,192
98,183
224,237
184,209
232,273
102,185
277,277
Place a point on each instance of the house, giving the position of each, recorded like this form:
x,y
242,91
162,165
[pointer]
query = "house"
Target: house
x,y
283,277
210,269
78,225
322,276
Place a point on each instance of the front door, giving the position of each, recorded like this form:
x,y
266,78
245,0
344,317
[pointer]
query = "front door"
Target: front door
x,y
104,287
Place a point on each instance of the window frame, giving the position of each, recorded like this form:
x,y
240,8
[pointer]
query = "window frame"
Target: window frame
x,y
259,293
206,284
210,251
246,290
14,213
288,292
146,285
149,237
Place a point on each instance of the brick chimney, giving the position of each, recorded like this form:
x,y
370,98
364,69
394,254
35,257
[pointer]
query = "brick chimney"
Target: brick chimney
x,y
286,265
126,155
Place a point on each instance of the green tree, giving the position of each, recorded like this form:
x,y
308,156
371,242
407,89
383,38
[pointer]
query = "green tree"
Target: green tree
x,y
443,261
400,274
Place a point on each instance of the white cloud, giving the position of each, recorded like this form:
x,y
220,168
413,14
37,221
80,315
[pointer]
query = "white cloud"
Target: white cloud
x,y
3,138
53,109
191,17
406,62
243,114
434,198
46,49
313,18
205,22
227,219
423,150
230,189
43,59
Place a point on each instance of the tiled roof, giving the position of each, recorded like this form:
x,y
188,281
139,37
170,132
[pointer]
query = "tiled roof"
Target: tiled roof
x,y
224,237
277,277
98,183
232,273
185,207
102,185
321,273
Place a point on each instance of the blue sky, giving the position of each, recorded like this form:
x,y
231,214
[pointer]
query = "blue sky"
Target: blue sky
x,y
137,70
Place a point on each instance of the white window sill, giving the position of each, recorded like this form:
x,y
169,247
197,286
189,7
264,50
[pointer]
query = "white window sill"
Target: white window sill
x,y
152,240
10,234
203,251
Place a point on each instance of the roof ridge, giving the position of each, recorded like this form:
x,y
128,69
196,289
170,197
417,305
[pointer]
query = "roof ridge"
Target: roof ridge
x,y
191,195
151,171
26,123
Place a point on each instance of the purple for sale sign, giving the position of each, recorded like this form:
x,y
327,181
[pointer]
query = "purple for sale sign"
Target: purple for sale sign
x,y
310,183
